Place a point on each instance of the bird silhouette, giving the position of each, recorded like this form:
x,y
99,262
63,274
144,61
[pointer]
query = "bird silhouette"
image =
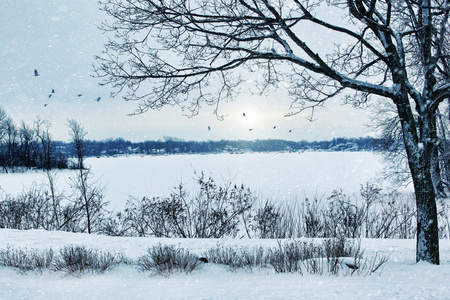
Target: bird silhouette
x,y
251,129
290,130
243,114
209,128
79,95
50,95
274,127
53,91
36,73
45,105
98,99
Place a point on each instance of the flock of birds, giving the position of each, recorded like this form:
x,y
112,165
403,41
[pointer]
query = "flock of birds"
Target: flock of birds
x,y
251,129
36,73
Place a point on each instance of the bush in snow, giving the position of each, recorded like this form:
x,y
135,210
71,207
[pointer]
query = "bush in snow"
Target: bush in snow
x,y
216,211
239,258
26,259
213,212
343,218
313,218
332,256
29,210
277,221
296,256
76,260
166,260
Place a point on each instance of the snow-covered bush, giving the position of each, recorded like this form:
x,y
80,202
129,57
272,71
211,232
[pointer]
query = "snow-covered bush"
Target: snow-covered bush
x,y
213,212
239,258
297,256
76,260
343,218
29,210
329,256
216,211
26,260
313,220
166,260
277,221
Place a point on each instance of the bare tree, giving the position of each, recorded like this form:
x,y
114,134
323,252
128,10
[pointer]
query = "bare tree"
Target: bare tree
x,y
9,143
42,130
77,133
88,194
27,141
88,201
55,198
189,52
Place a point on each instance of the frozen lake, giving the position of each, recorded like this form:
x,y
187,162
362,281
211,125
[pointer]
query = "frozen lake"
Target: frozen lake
x,y
280,176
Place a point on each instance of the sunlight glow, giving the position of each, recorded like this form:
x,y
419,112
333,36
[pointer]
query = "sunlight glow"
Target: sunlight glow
x,y
251,119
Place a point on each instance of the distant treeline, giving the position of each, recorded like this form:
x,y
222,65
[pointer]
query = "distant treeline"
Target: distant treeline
x,y
169,145
28,153
31,147
28,147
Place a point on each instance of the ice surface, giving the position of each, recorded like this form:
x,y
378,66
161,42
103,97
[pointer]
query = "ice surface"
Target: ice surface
x,y
279,176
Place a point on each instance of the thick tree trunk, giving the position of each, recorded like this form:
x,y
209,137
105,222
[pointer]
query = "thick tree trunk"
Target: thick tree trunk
x,y
427,222
417,137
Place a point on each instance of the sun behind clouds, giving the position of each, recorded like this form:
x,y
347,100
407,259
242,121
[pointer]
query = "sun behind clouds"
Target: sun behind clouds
x,y
250,119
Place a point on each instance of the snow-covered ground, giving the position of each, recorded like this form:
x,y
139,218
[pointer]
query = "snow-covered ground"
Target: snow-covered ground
x,y
280,176
401,278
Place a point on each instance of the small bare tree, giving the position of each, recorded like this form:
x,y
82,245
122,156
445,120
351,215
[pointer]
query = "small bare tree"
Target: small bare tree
x,y
55,197
77,133
27,139
42,130
88,201
88,193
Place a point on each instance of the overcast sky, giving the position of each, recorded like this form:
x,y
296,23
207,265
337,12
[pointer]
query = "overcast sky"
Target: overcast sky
x,y
60,38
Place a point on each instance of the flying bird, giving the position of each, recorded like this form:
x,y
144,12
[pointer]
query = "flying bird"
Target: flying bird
x,y
274,127
290,130
50,95
45,105
243,114
98,99
36,73
79,95
250,129
53,91
209,128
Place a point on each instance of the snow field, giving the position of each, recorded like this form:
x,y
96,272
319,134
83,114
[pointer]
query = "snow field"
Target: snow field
x,y
401,278
277,176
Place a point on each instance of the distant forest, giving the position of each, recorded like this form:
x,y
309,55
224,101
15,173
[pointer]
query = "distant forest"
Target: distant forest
x,y
18,154
170,145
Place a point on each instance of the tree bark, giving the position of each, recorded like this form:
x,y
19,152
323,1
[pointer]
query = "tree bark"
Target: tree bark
x,y
427,222
419,144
